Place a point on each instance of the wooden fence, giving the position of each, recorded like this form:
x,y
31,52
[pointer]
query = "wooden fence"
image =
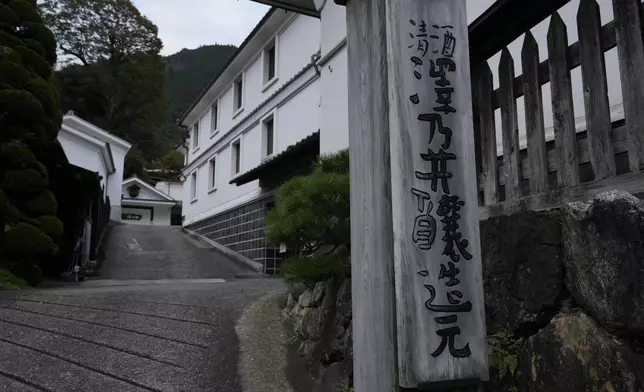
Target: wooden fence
x,y
575,165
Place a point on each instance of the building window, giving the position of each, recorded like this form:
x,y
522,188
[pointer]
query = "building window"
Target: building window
x,y
195,136
214,118
239,93
270,62
212,174
236,156
268,136
193,186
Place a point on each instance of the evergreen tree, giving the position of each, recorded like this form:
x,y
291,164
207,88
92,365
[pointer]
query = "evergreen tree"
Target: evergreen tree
x,y
29,122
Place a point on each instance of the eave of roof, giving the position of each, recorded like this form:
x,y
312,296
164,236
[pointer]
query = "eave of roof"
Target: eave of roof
x,y
291,5
297,148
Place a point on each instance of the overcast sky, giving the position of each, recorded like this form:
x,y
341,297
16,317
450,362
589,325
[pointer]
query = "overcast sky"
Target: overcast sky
x,y
193,23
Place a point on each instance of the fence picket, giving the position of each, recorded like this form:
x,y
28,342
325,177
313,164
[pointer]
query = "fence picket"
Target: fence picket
x,y
562,104
535,128
510,127
488,135
628,30
593,71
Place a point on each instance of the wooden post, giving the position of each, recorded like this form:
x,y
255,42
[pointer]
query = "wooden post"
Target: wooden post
x,y
372,265
439,291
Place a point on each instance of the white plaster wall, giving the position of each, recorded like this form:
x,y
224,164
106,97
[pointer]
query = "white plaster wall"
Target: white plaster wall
x,y
116,183
296,119
145,219
144,193
83,154
162,216
297,44
334,118
172,189
334,27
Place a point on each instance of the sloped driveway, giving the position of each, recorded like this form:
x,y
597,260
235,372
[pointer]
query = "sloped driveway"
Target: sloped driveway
x,y
160,318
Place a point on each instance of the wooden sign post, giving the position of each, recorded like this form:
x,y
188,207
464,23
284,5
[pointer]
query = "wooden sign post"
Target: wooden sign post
x,y
437,256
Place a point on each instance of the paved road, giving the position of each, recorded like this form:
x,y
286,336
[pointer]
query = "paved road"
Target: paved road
x,y
160,317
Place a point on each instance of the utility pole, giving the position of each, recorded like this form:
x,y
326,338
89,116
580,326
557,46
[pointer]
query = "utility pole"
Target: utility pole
x,y
414,204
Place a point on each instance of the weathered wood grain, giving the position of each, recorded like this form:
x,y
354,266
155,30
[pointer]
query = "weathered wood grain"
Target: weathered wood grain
x,y
374,328
510,127
620,145
631,182
630,49
418,259
488,134
535,129
593,72
562,104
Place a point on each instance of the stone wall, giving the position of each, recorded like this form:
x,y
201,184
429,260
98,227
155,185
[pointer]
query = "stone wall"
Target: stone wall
x,y
564,296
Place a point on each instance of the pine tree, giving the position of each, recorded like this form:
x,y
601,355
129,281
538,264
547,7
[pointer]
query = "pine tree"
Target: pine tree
x,y
29,122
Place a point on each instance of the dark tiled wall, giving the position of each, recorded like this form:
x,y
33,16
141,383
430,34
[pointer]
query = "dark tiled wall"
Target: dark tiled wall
x,y
242,230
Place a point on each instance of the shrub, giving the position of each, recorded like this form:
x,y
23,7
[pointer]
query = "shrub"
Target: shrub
x,y
9,281
8,213
30,272
43,204
16,156
310,270
25,11
21,105
334,163
51,226
28,242
34,61
21,182
13,74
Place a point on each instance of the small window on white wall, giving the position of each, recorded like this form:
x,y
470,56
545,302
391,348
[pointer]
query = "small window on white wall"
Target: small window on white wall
x,y
214,118
193,186
236,156
270,62
238,93
212,174
268,136
195,136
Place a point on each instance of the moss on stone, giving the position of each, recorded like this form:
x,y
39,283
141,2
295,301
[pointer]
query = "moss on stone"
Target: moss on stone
x,y
23,182
16,156
25,11
43,204
51,226
34,61
25,240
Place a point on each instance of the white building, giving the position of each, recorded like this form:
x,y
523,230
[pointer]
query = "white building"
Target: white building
x,y
283,98
96,150
174,189
143,204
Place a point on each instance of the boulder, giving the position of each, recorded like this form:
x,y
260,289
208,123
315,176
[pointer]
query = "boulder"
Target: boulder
x,y
334,379
318,293
290,302
574,354
306,299
343,304
296,289
312,323
347,343
604,260
523,271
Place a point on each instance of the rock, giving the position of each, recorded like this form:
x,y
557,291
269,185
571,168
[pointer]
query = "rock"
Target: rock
x,y
347,343
522,269
318,293
334,379
312,323
329,294
290,302
343,304
574,354
604,260
306,299
296,289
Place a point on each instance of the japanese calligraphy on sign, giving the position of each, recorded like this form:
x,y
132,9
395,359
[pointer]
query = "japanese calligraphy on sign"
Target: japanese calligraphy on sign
x,y
437,249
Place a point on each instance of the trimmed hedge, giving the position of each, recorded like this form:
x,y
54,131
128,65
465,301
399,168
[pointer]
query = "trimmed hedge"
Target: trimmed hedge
x,y
27,242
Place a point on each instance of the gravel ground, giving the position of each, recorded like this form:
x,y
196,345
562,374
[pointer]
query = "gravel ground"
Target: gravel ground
x,y
160,317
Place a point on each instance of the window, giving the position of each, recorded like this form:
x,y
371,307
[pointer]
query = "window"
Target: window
x,y
268,136
195,136
193,186
214,118
238,93
270,60
212,174
236,156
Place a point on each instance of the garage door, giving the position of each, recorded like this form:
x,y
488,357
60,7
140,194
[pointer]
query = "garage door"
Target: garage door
x,y
137,216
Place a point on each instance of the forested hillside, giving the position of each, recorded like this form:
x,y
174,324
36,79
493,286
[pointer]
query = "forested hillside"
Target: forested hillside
x,y
189,72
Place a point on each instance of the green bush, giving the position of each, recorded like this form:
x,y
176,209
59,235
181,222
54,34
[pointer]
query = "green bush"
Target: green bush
x,y
51,226
28,271
28,243
310,270
40,33
25,11
334,163
34,61
7,42
16,156
8,19
9,281
23,182
45,93
21,105
14,74
43,204
8,213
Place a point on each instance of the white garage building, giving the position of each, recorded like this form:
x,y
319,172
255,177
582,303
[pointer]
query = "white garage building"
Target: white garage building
x,y
143,204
